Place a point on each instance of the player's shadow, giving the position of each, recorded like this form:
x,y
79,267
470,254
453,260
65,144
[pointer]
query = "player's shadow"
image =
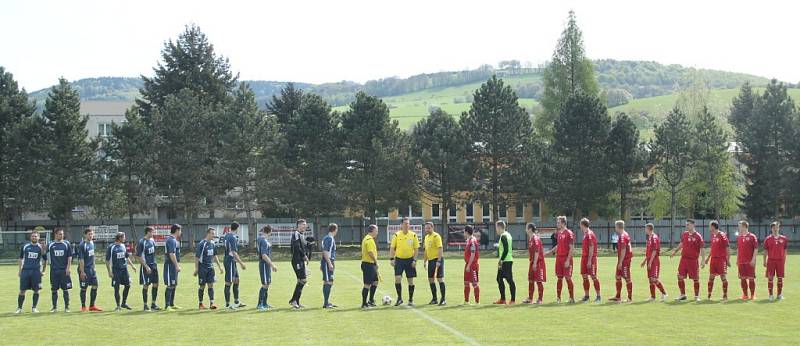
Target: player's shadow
x,y
764,301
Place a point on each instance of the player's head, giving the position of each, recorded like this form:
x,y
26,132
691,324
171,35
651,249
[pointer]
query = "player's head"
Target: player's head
x,y
333,229
372,230
266,230
34,236
405,223
477,234
148,232
585,224
775,226
690,225
619,226
175,230
468,231
530,228
119,237
561,222
211,233
428,227
88,234
500,227
301,225
58,234
234,226
714,225
648,228
744,226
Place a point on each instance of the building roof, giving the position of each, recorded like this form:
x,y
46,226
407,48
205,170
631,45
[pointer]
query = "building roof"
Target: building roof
x,y
105,107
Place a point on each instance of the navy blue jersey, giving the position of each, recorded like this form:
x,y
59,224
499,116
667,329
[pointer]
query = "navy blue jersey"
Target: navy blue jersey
x,y
231,245
118,255
57,253
264,248
172,246
205,252
329,245
86,253
147,248
31,256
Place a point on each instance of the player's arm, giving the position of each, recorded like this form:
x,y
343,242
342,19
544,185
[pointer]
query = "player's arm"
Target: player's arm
x,y
21,261
622,253
766,254
441,255
471,258
197,255
108,261
569,254
535,261
140,257
680,246
505,251
703,256
728,255
81,264
755,254
392,248
173,257
69,264
130,263
591,253
326,254
416,251
44,260
238,259
219,266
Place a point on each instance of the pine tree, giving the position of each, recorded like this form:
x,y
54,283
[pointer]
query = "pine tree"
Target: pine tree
x,y
713,175
627,160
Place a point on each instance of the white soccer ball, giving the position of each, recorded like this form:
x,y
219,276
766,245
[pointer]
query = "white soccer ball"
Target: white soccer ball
x,y
386,300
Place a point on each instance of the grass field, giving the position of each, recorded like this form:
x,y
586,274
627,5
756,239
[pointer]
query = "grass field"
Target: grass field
x,y
734,322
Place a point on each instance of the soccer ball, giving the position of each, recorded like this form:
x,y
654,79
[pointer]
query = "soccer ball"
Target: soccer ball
x,y
386,300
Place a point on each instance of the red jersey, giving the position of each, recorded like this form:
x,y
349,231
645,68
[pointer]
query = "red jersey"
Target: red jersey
x,y
746,246
776,247
719,245
653,247
565,239
471,248
535,245
691,243
589,239
624,242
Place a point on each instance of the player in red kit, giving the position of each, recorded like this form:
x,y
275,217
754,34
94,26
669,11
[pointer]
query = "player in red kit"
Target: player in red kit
x,y
747,249
589,261
720,259
537,275
624,257
471,255
692,250
775,246
653,262
563,250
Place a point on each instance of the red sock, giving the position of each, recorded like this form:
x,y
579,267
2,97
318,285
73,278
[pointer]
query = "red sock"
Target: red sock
x,y
531,287
661,287
769,286
571,288
597,286
466,293
559,285
682,286
586,287
540,285
619,288
724,288
696,288
752,287
629,286
710,287
477,291
652,290
744,287
780,285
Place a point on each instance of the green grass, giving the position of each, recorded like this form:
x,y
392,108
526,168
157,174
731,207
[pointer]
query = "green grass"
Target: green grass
x,y
735,322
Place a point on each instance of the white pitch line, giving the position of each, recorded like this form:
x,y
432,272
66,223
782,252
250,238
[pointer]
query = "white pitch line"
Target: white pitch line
x,y
430,318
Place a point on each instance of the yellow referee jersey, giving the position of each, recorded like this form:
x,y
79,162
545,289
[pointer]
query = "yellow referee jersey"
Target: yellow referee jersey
x,y
433,242
367,246
405,244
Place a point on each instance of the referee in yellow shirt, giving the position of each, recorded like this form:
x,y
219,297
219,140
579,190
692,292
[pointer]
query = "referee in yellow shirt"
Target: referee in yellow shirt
x,y
434,262
404,245
369,267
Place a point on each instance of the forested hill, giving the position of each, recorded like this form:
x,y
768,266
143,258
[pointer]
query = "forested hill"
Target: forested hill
x,y
626,79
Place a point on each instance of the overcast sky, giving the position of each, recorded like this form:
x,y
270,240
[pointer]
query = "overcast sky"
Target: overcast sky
x,y
326,41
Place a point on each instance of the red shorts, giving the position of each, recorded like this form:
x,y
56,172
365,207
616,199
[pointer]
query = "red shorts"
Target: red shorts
x,y
585,266
689,268
560,270
775,268
719,266
747,271
472,275
540,275
654,270
625,271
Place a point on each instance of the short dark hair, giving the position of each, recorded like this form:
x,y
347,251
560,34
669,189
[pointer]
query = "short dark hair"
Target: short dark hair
x,y
211,229
691,221
775,223
469,229
266,229
430,223
744,223
234,225
174,228
58,229
714,224
332,227
585,222
87,231
531,226
119,236
148,229
299,221
371,228
33,232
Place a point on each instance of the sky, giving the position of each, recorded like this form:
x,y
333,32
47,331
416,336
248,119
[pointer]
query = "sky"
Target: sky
x,y
329,41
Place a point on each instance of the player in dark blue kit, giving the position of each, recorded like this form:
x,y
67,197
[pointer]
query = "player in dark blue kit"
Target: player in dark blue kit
x,y
205,253
231,272
265,267
299,262
172,266
148,274
30,271
327,264
117,262
86,270
59,254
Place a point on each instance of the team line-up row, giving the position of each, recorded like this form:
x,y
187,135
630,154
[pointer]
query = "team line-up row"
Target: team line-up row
x,y
403,253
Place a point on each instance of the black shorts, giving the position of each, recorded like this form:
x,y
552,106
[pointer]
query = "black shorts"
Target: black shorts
x,y
30,279
505,271
432,269
91,279
59,280
120,276
369,272
405,265
299,270
152,278
206,275
231,271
